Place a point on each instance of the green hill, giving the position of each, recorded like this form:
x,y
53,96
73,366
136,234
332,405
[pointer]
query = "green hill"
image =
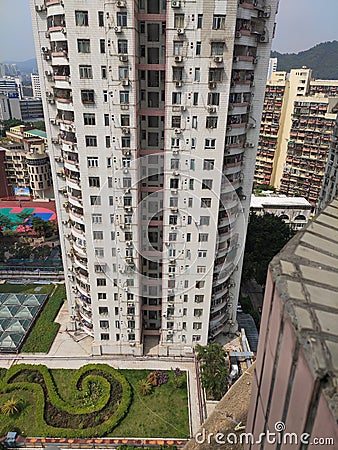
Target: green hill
x,y
322,59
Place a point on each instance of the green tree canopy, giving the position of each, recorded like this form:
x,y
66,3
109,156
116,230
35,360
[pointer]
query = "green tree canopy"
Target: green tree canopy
x,y
213,369
266,236
5,223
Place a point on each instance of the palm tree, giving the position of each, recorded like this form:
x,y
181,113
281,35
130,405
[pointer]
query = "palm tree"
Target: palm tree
x,y
11,406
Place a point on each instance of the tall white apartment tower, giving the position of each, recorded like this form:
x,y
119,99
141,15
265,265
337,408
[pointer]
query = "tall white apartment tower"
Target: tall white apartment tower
x,y
153,110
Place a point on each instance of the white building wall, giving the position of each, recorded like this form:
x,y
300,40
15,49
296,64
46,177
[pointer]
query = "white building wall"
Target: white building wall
x,y
121,323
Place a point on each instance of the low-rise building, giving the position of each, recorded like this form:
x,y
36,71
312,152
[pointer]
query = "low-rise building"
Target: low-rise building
x,y
295,211
26,163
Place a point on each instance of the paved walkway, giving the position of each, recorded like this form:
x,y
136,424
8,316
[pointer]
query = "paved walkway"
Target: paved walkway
x,y
73,350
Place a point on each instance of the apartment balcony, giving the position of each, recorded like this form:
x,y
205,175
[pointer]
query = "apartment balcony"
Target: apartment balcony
x,y
87,327
76,216
83,290
77,232
80,262
53,2
72,165
72,181
80,249
75,201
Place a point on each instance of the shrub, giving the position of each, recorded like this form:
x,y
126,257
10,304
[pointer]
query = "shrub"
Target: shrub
x,y
162,377
152,378
82,375
146,387
10,407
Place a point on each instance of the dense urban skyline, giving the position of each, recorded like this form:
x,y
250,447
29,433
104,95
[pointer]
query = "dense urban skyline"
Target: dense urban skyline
x,y
300,26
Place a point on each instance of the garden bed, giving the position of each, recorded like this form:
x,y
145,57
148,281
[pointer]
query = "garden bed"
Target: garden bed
x,y
95,400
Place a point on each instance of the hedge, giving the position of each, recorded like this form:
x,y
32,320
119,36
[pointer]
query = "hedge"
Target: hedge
x,y
47,430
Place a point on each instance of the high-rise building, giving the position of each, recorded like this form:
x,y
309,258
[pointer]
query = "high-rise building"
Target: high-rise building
x,y
36,85
273,62
297,129
151,109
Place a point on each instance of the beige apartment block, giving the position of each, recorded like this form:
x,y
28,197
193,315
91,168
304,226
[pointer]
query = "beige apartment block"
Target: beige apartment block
x,y
298,125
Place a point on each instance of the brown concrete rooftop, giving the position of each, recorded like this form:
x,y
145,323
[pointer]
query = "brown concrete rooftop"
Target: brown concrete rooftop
x,y
306,277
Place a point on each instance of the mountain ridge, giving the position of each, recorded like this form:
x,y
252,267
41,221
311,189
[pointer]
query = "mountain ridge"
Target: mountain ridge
x,y
322,59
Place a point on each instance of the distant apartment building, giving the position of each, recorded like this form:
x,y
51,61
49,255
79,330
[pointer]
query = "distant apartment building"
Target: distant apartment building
x,y
26,163
294,211
297,128
31,109
36,86
273,62
9,106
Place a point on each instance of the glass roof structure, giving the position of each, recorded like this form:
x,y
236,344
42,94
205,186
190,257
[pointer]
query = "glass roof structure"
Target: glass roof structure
x,y
17,315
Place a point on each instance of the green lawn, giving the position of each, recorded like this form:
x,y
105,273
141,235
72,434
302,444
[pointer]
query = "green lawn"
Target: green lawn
x,y
164,413
26,288
43,333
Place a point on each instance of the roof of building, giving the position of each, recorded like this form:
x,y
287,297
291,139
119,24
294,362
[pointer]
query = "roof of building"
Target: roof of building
x,y
38,133
305,273
278,200
17,314
229,416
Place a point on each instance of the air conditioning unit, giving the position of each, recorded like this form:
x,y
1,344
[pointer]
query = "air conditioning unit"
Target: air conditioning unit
x,y
180,31
123,58
174,208
175,173
179,83
55,140
40,8
255,60
125,82
176,108
218,59
125,171
264,38
175,4
211,109
52,121
238,34
118,29
212,84
125,130
64,222
63,30
178,131
47,34
236,59
121,4
178,58
175,152
264,14
171,275
129,243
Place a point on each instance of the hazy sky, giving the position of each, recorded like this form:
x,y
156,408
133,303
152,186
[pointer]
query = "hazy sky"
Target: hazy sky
x,y
300,25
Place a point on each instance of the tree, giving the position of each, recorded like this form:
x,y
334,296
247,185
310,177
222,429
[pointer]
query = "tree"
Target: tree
x,y
23,219
40,125
38,226
5,223
10,407
5,125
213,369
266,236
